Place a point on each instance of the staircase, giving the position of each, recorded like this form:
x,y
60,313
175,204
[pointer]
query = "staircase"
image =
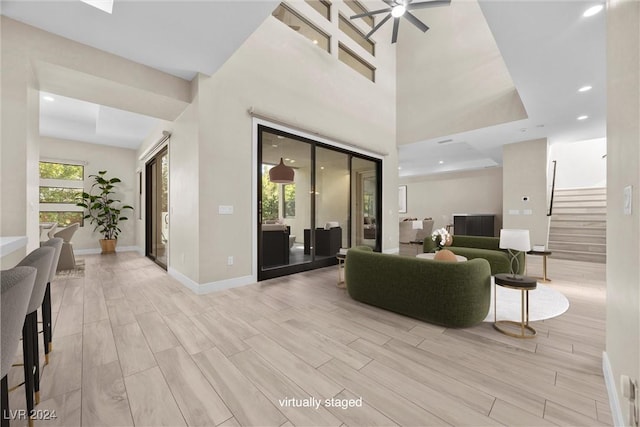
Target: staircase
x,y
578,228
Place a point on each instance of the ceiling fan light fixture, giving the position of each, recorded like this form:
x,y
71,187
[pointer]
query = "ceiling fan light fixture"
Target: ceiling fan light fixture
x,y
398,11
281,174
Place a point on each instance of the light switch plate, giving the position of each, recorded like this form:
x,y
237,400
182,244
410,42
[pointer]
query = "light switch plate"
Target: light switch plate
x,y
514,212
225,210
627,199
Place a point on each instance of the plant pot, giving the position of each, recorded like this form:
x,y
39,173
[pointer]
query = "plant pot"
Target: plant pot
x,y
108,246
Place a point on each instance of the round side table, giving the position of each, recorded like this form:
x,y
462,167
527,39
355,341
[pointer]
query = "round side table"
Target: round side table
x,y
544,255
524,284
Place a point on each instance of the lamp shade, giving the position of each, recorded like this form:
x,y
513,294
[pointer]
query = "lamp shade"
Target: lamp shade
x,y
517,240
281,174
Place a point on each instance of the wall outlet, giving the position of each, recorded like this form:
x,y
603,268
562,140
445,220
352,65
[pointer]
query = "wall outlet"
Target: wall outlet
x,y
225,210
230,260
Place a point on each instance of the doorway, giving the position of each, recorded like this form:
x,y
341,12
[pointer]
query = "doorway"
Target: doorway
x,y
157,208
330,201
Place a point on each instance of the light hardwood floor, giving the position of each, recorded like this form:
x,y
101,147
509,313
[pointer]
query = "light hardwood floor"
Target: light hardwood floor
x,y
132,346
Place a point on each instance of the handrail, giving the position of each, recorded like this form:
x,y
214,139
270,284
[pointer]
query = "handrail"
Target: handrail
x,y
553,187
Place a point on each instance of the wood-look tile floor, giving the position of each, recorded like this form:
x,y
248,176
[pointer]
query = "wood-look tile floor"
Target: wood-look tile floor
x,y
132,346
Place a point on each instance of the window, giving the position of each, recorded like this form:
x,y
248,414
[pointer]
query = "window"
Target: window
x,y
355,62
270,198
61,184
302,26
323,7
289,198
349,29
357,9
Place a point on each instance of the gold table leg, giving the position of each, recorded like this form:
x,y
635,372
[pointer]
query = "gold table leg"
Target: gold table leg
x,y
526,331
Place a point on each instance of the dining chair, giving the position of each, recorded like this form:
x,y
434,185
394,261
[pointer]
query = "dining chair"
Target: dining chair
x,y
67,260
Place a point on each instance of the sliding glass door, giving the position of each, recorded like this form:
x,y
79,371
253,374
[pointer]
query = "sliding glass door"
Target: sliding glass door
x,y
305,203
157,208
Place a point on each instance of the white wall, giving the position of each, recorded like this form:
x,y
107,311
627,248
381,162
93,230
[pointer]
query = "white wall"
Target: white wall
x,y
580,164
118,162
34,60
280,73
623,169
440,196
452,79
524,167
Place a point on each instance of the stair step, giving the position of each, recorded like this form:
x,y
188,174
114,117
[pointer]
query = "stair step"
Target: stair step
x,y
578,197
579,256
579,210
579,203
592,231
578,238
597,248
589,191
578,217
578,222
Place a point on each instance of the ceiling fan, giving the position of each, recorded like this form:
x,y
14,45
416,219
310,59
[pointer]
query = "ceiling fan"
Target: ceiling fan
x,y
398,9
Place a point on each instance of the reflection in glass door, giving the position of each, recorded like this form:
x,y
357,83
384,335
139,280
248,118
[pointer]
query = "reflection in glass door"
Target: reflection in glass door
x,y
306,214
157,208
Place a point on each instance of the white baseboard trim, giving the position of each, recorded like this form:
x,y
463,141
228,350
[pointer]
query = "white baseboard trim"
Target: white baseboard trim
x,y
609,381
391,251
94,251
206,288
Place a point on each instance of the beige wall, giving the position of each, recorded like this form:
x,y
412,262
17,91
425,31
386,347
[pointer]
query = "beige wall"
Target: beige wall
x,y
118,162
462,82
525,174
307,88
34,60
623,169
440,196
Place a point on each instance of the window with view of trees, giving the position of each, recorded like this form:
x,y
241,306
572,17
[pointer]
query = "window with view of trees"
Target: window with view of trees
x,y
271,196
61,184
289,198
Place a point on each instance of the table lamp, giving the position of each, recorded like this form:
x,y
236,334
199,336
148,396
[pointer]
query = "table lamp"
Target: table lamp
x,y
515,240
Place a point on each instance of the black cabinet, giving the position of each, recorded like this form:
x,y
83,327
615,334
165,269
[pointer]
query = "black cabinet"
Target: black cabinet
x,y
474,225
328,242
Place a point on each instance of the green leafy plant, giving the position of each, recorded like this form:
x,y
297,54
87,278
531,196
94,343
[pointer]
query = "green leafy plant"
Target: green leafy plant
x,y
101,208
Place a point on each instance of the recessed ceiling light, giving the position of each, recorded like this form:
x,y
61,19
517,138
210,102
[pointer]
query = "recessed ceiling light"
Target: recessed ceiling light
x,y
103,5
583,117
593,10
48,98
441,162
322,167
287,159
292,161
585,88
399,168
279,136
274,145
315,42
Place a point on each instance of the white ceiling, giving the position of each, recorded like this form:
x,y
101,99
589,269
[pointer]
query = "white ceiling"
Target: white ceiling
x,y
551,51
68,118
548,47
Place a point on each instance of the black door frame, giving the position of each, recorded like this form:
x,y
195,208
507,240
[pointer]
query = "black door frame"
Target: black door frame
x,y
149,199
322,262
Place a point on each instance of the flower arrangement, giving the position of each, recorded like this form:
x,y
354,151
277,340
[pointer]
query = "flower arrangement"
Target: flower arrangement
x,y
442,238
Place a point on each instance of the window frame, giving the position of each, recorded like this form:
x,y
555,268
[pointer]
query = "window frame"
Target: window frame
x,y
350,52
74,184
347,22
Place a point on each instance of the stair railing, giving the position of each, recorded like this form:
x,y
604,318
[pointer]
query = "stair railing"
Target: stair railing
x,y
553,187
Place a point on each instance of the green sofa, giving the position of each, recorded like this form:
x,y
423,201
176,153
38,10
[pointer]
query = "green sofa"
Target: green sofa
x,y
453,294
472,247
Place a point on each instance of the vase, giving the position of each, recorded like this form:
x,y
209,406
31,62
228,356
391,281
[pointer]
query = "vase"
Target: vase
x,y
108,246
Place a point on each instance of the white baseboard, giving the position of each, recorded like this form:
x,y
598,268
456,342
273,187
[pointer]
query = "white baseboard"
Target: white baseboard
x,y
609,380
206,288
391,251
94,251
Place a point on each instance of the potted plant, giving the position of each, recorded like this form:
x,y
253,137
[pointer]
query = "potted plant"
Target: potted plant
x,y
103,210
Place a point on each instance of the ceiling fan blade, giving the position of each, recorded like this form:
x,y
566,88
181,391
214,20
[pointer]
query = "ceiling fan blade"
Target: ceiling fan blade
x,y
371,13
378,25
415,21
394,37
390,2
427,4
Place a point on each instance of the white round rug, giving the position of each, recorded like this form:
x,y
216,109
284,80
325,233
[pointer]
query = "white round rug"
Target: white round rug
x,y
544,303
